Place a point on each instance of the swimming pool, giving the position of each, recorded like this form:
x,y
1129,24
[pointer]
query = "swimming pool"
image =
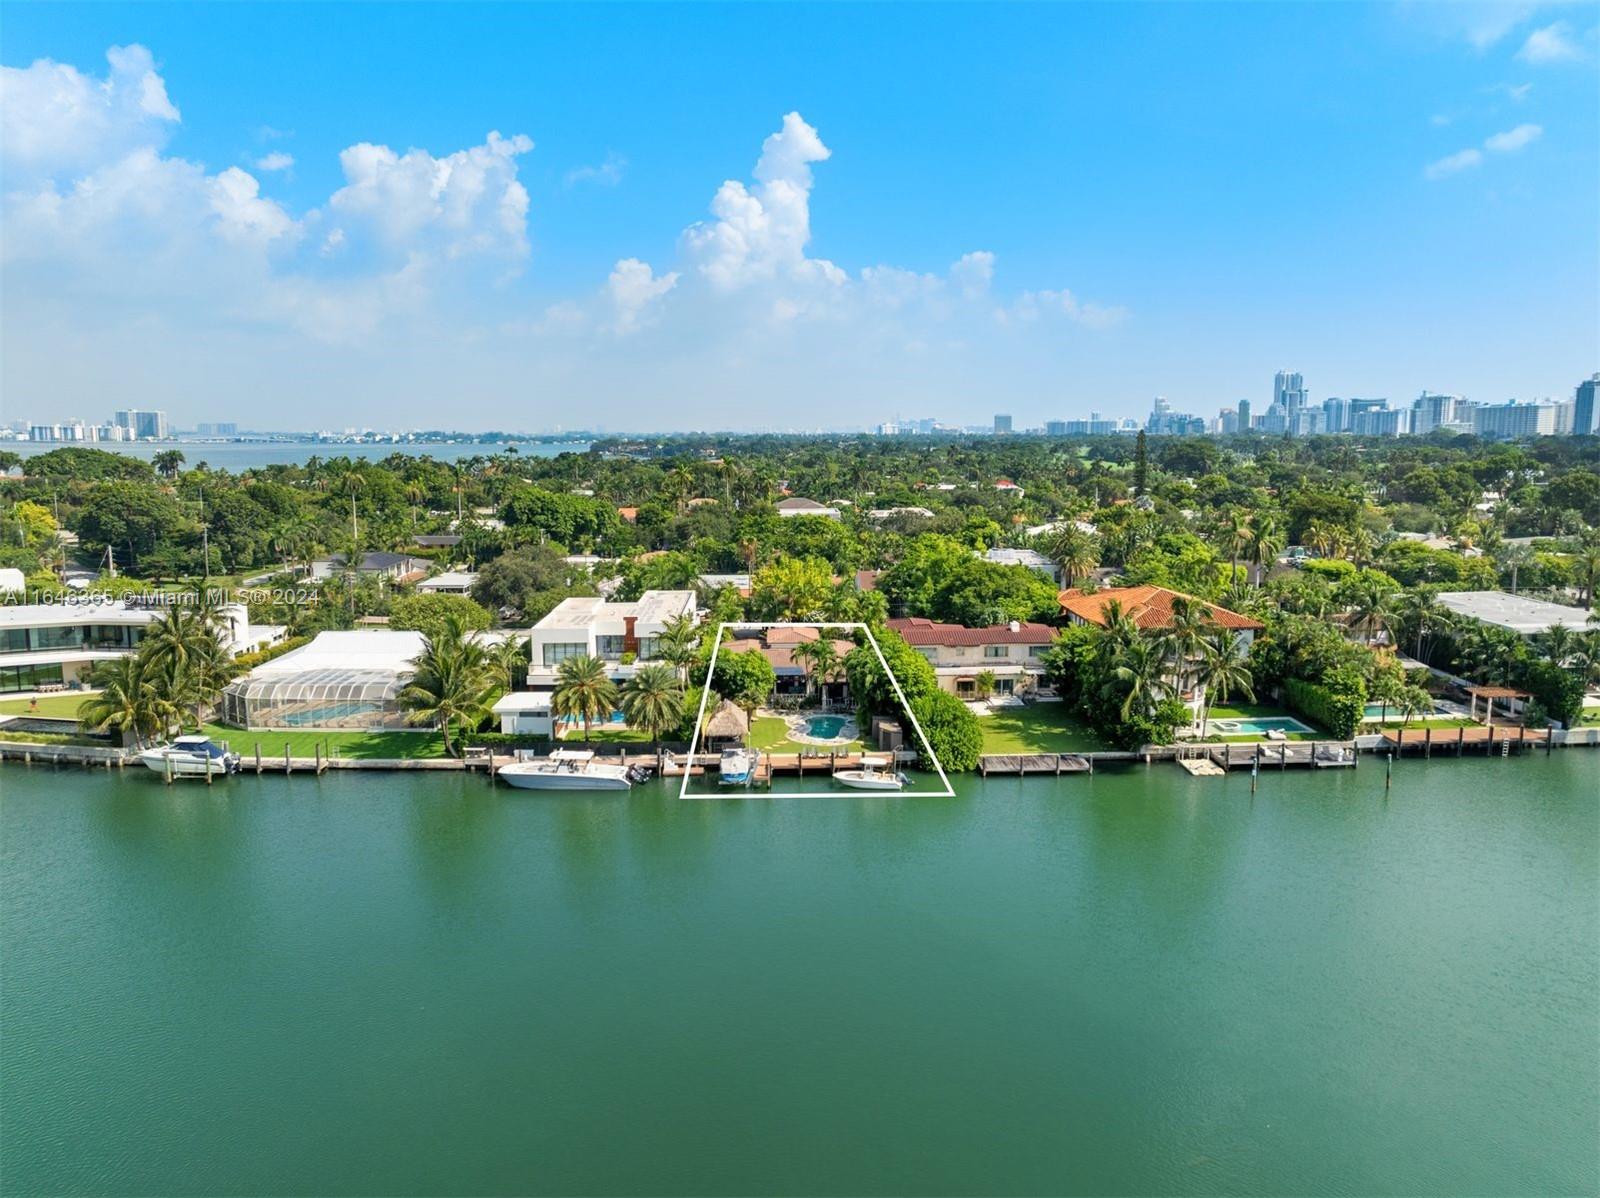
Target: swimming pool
x,y
1259,725
1376,711
313,716
825,727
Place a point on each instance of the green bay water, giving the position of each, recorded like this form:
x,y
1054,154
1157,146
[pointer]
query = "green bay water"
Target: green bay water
x,y
1136,983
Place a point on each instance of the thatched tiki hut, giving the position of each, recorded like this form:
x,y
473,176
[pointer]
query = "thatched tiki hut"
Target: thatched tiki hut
x,y
727,725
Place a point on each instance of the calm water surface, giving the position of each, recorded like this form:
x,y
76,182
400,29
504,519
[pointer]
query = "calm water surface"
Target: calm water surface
x,y
1139,983
251,455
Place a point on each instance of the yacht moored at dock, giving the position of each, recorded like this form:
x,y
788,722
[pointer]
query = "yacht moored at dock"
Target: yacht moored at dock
x,y
566,769
735,766
870,777
191,757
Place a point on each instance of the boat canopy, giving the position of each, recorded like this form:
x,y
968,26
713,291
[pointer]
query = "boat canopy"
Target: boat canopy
x,y
572,755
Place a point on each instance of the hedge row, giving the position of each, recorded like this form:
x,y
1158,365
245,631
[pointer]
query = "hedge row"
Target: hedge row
x,y
249,661
1339,711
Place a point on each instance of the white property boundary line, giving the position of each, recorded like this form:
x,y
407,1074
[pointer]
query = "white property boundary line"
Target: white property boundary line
x,y
705,694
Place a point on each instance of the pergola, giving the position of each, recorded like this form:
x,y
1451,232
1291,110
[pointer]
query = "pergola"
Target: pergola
x,y
1491,693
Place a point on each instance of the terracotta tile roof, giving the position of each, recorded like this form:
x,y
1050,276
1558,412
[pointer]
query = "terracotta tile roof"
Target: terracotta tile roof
x,y
1149,606
630,514
918,631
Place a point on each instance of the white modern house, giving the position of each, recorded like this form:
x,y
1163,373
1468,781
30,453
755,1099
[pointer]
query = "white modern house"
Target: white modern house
x,y
1516,613
451,582
53,646
1013,653
1031,558
622,635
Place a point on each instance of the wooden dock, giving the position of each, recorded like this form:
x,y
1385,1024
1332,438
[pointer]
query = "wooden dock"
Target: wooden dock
x,y
1053,764
1487,740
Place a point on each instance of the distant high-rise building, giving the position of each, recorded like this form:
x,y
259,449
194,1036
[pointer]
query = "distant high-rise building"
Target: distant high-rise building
x,y
1288,390
1055,428
1228,421
1335,415
1002,423
1428,412
144,425
1244,416
1512,419
1586,407
1375,418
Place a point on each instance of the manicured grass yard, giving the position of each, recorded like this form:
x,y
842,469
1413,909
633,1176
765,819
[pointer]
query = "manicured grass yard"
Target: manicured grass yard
x,y
771,733
611,736
1037,728
1257,711
63,706
353,745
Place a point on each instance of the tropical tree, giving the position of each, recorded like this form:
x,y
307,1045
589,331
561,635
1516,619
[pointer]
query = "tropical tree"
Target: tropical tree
x,y
583,691
510,659
678,641
1185,636
984,683
1236,538
1420,614
1372,604
1141,667
653,699
820,659
1557,643
168,462
127,701
1075,552
453,682
1410,702
1224,670
1267,540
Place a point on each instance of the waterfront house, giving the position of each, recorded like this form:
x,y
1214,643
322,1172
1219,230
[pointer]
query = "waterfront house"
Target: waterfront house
x,y
1150,608
1515,613
1013,653
794,673
620,634
52,646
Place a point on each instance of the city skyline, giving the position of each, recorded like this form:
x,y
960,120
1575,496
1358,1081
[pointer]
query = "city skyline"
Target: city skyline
x,y
202,219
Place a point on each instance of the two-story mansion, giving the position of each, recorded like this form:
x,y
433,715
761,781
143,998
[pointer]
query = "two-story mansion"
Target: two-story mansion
x,y
1012,652
622,635
49,646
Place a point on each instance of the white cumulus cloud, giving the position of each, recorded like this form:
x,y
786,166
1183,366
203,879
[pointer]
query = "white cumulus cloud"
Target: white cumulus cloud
x,y
633,287
1553,43
1513,139
1453,164
275,161
761,233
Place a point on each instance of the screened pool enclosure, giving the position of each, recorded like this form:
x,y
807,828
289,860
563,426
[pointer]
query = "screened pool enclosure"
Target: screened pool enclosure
x,y
327,698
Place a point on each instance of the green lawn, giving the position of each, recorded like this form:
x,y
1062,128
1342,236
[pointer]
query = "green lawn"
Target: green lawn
x,y
1444,722
1037,728
771,733
58,707
333,744
611,736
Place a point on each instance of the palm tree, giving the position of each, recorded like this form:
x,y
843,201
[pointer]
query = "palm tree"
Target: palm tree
x,y
653,699
1266,542
678,641
127,702
452,683
168,462
1074,552
1236,536
510,658
1323,539
1557,643
415,494
1410,702
1142,665
1512,559
583,691
1586,563
1186,635
1371,606
1224,670
1421,615
820,659
984,683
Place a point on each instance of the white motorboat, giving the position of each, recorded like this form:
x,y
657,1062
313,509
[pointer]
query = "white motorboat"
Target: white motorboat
x,y
734,767
191,757
565,769
870,778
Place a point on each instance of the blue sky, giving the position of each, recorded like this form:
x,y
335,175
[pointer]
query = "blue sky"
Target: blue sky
x,y
1040,210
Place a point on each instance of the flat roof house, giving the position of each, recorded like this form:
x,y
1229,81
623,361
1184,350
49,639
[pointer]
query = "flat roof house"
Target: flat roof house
x,y
451,582
806,507
47,646
1523,616
389,565
1013,653
339,680
1031,558
588,627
